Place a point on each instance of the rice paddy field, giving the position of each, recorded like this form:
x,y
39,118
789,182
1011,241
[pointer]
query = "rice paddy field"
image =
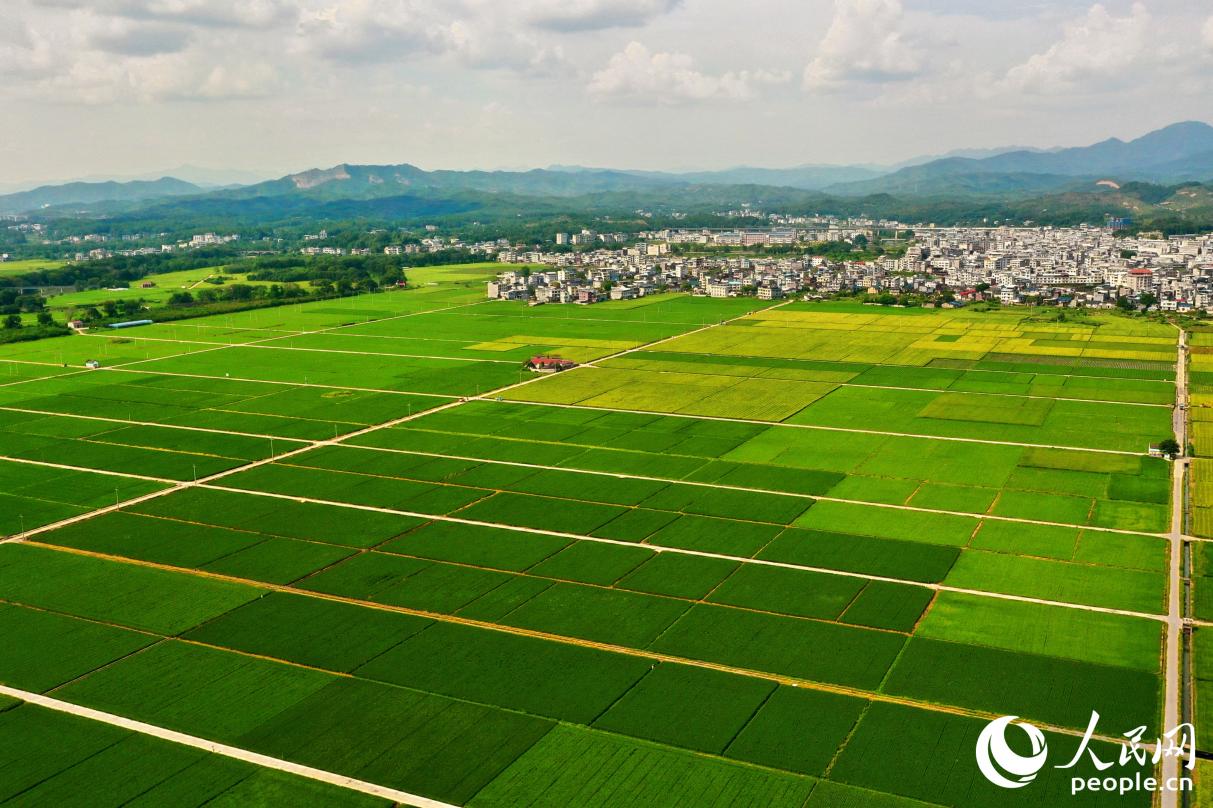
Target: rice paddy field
x,y
744,554
20,267
1198,603
165,285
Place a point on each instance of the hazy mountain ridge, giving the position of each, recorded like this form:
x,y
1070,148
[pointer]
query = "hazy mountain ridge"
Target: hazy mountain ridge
x,y
1162,146
1176,153
809,177
87,193
1058,185
370,182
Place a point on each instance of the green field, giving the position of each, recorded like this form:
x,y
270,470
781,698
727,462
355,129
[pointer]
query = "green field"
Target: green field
x,y
746,554
162,288
1199,523
22,266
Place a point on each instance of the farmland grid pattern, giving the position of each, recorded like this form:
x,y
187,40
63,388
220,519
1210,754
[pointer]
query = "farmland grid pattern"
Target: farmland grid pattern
x,y
470,478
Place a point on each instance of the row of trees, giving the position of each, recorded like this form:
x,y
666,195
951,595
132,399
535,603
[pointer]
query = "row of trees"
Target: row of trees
x,y
325,277
837,251
15,329
228,297
120,270
12,321
351,271
12,301
241,292
382,269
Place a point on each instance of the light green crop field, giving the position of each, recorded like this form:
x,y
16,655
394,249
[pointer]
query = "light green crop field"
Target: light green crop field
x,y
20,267
743,555
193,280
460,273
163,287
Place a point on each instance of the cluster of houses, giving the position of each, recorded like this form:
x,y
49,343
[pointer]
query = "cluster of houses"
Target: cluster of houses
x,y
783,231
430,244
1079,266
593,277
1082,266
98,253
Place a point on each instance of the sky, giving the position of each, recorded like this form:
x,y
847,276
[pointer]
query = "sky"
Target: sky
x,y
128,87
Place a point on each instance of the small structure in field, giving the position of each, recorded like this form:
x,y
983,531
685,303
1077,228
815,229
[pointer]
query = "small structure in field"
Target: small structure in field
x,y
549,364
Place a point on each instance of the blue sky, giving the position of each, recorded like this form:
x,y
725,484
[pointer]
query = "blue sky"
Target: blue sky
x,y
131,86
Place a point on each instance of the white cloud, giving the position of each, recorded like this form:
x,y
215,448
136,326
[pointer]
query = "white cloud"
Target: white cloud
x,y
139,39
930,62
368,30
25,55
217,13
637,73
242,80
865,43
75,54
591,15
97,78
114,50
485,44
474,33
1096,50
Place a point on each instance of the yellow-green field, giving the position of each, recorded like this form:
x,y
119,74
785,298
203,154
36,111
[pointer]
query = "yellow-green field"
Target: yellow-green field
x,y
28,265
999,375
460,273
805,331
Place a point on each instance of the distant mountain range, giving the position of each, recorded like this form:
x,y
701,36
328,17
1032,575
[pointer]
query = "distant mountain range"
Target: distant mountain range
x,y
810,177
971,180
206,178
370,182
1177,153
87,193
